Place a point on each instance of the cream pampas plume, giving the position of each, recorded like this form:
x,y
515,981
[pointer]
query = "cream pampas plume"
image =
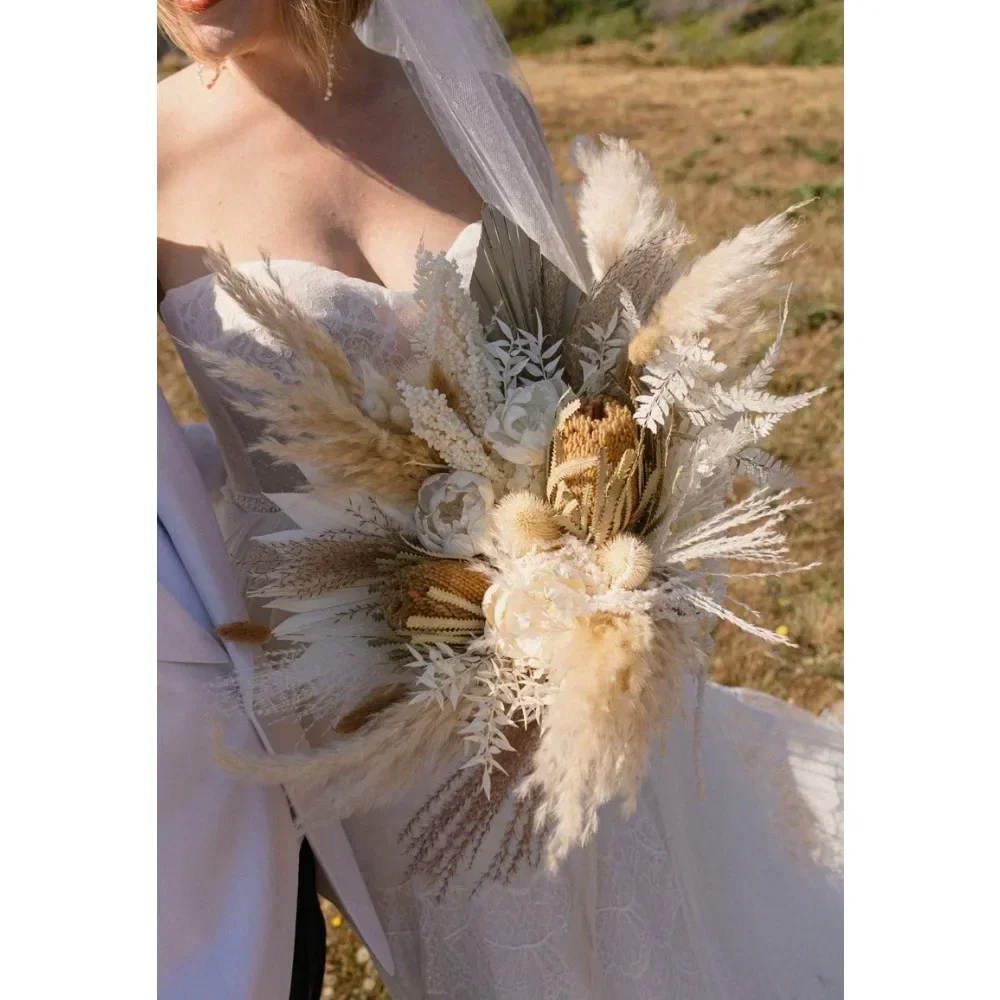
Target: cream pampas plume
x,y
619,204
617,683
316,421
633,240
718,296
294,327
363,771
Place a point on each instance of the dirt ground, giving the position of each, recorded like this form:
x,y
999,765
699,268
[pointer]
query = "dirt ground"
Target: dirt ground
x,y
731,146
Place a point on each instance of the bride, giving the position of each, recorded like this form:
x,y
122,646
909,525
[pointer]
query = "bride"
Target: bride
x,y
338,136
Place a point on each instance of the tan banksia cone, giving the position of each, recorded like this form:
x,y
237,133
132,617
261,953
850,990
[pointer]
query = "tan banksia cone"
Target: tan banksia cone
x,y
246,633
523,523
592,481
599,422
439,596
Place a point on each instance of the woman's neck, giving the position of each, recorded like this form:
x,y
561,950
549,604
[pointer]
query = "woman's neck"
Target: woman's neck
x,y
273,71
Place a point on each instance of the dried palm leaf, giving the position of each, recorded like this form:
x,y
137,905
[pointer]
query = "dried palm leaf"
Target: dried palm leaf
x,y
513,282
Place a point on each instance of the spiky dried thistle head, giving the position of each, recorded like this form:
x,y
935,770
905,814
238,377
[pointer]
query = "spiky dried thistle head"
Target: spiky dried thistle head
x,y
524,523
627,560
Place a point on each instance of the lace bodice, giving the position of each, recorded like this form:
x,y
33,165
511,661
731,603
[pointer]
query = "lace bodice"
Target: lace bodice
x,y
372,323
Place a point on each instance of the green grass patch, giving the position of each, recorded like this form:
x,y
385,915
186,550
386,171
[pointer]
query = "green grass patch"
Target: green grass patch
x,y
792,32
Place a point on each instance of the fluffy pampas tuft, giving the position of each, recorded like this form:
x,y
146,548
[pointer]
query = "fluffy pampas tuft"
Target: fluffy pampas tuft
x,y
718,296
612,690
619,204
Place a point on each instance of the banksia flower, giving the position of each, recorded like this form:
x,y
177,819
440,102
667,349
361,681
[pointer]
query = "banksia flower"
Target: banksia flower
x,y
593,482
598,423
627,560
523,523
440,597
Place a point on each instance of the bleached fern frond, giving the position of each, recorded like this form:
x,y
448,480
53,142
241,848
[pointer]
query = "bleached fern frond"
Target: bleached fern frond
x,y
722,401
760,376
671,379
764,469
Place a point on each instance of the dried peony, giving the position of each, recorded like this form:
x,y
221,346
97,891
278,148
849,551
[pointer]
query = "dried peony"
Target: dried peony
x,y
521,426
538,601
451,514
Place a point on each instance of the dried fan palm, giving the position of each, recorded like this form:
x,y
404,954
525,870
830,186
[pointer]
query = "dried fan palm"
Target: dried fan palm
x,y
514,283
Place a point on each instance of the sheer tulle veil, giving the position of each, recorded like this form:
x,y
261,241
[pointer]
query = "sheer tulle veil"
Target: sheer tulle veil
x,y
461,67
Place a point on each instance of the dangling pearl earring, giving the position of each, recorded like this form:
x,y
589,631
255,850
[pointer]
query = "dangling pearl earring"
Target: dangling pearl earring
x,y
215,77
329,78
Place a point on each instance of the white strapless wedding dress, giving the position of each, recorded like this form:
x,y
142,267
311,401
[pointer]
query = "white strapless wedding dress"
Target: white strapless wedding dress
x,y
726,883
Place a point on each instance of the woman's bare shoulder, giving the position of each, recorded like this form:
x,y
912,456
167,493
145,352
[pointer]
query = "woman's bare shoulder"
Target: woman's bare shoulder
x,y
177,123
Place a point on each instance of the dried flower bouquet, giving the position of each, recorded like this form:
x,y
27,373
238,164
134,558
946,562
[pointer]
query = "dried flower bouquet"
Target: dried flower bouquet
x,y
531,525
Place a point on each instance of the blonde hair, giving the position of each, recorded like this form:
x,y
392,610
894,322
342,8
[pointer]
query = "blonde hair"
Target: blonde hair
x,y
312,27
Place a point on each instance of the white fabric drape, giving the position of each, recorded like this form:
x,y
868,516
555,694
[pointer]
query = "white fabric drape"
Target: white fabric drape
x,y
461,68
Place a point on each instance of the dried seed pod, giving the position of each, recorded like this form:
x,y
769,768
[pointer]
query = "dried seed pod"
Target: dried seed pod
x,y
524,523
627,560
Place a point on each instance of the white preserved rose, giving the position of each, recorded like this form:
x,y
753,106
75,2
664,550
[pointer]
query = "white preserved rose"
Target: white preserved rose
x,y
520,428
531,614
452,513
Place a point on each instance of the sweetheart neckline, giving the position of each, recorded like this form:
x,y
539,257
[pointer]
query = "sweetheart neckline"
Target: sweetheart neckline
x,y
243,265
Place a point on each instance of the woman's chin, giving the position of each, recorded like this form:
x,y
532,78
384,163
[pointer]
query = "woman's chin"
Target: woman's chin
x,y
196,6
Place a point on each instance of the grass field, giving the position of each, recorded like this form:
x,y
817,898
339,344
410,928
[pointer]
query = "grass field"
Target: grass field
x,y
731,145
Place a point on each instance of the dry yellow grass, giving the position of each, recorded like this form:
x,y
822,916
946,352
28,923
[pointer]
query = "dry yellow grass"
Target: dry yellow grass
x,y
731,146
